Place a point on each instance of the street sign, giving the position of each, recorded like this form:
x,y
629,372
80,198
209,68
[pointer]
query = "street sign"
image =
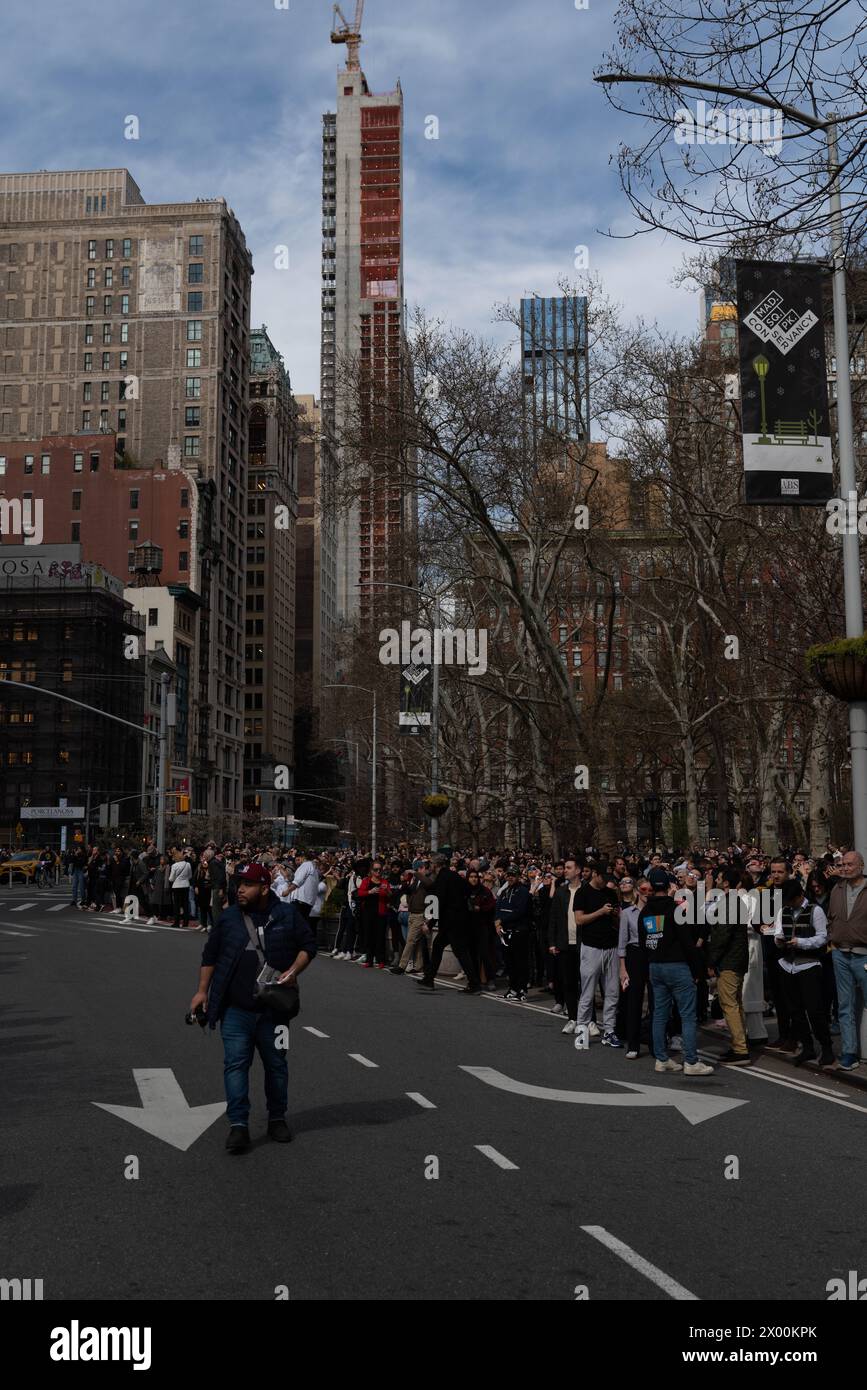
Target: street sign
x,y
52,813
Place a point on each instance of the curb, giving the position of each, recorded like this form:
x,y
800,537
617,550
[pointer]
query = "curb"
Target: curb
x,y
849,1078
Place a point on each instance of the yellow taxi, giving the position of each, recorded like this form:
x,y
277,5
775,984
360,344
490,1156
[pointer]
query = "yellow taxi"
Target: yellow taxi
x,y
23,864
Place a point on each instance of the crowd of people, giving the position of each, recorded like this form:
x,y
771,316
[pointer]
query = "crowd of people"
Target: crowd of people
x,y
636,949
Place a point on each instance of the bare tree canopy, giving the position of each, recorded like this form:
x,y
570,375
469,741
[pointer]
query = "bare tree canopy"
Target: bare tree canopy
x,y
727,170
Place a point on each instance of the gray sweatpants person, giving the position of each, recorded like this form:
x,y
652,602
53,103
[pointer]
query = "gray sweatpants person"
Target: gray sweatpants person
x,y
596,962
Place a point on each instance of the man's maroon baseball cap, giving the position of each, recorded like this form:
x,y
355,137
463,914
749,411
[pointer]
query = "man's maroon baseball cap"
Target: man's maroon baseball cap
x,y
253,873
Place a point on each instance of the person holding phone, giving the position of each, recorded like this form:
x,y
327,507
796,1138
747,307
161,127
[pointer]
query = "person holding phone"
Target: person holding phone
x,y
596,917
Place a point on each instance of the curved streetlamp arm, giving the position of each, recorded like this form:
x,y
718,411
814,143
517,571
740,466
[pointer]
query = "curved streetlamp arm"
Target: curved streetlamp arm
x,y
139,728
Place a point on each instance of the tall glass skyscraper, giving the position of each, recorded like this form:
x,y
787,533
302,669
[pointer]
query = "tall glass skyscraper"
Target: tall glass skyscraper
x,y
554,355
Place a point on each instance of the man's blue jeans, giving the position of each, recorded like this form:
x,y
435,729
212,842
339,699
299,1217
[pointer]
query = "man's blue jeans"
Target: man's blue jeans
x,y
850,972
79,886
673,983
245,1031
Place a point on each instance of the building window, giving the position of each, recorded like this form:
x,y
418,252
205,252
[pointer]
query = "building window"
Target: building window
x,y
78,463
85,422
192,444
197,246
106,304
106,361
127,248
45,464
130,560
133,499
124,333
194,330
133,530
76,500
184,530
88,361
75,532
29,461
193,387
106,332
196,273
66,670
91,250
109,248
103,421
90,304
88,333
2,467
185,497
87,391
125,275
192,417
104,388
108,277
121,424
123,357
183,560
153,617
91,279
194,357
195,302
124,304
94,462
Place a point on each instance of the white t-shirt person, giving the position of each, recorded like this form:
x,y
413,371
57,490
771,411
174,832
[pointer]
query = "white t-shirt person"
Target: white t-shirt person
x,y
305,885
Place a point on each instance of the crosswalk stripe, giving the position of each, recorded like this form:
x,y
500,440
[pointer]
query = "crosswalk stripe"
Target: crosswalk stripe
x,y
22,908
58,907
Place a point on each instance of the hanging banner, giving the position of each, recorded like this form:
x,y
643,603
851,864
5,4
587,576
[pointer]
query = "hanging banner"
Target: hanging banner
x,y
415,699
784,384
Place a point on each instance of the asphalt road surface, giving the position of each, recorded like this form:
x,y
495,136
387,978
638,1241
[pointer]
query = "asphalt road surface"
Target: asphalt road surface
x,y
623,1192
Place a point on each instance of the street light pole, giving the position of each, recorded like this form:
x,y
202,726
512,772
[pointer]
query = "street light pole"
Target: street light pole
x,y
435,700
854,607
373,754
161,768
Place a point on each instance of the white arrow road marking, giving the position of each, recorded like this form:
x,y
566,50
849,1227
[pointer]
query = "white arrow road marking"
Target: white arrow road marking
x,y
694,1106
166,1113
656,1276
496,1157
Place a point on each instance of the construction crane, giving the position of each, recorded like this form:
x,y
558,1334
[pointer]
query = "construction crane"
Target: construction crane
x,y
350,34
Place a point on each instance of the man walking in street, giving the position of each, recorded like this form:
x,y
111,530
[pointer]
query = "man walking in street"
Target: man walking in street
x,y
451,893
847,926
305,883
231,965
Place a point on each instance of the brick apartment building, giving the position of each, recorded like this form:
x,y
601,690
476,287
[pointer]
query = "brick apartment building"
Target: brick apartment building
x,y
121,317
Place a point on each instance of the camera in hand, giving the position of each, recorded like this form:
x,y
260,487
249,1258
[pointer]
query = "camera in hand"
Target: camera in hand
x,y
199,1016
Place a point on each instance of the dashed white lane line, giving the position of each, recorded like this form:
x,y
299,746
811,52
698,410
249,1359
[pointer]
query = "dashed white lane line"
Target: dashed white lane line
x,y
315,1031
637,1262
496,1157
17,933
421,1100
365,1062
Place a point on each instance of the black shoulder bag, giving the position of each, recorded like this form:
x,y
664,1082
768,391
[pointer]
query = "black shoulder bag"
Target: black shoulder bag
x,y
284,1000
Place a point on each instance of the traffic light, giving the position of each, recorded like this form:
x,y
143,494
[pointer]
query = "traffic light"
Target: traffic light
x,y
183,805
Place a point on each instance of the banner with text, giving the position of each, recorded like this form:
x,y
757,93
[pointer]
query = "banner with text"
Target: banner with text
x,y
784,384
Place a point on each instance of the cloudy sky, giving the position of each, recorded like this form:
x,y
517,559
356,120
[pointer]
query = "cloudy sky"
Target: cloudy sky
x,y
230,94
